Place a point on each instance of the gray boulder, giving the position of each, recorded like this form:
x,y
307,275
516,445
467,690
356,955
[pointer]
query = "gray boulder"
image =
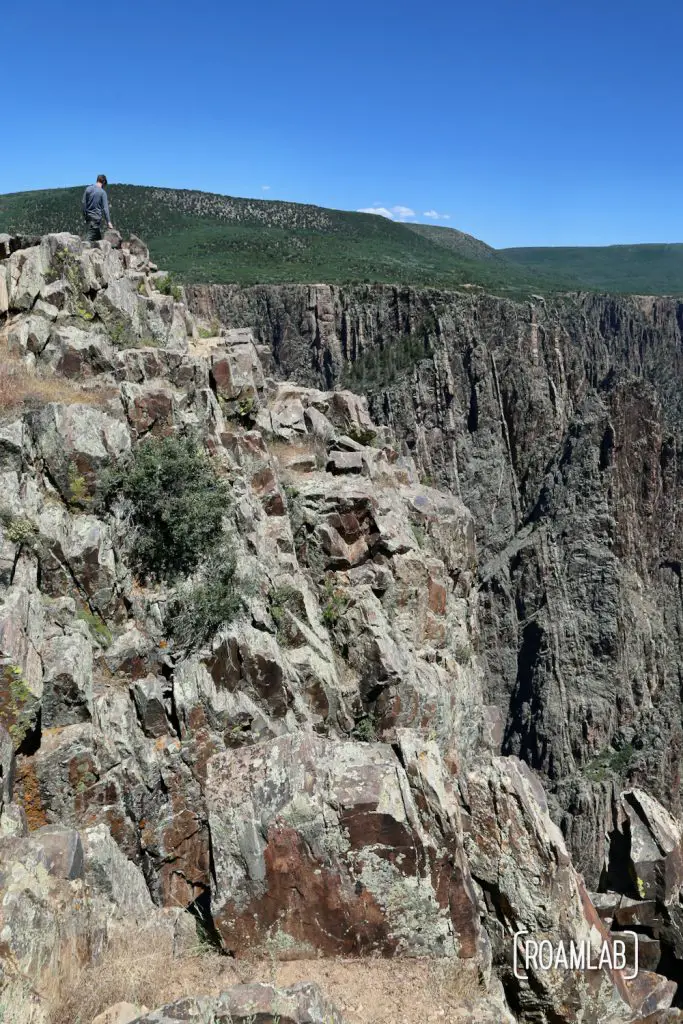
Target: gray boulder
x,y
67,680
63,850
319,847
108,871
248,1004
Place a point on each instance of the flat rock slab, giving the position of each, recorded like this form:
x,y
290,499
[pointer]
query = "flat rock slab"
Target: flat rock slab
x,y
319,848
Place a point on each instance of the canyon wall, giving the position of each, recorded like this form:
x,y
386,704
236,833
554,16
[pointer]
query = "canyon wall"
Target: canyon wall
x,y
559,424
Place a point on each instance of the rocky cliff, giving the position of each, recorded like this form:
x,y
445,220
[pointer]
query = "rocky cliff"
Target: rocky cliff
x,y
559,425
256,638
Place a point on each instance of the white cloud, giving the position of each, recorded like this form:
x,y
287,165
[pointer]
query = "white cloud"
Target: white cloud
x,y
381,210
395,213
402,212
265,188
435,215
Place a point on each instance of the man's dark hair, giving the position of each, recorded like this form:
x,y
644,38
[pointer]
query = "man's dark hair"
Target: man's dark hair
x,y
102,178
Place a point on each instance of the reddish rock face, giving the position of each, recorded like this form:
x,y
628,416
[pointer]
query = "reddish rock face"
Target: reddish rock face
x,y
75,778
319,846
150,410
519,858
265,485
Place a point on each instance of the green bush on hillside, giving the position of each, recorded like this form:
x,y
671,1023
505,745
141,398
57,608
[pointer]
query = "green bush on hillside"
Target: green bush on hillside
x,y
202,608
167,286
175,501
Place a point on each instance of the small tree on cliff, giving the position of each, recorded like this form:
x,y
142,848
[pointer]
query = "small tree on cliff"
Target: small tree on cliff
x,y
175,502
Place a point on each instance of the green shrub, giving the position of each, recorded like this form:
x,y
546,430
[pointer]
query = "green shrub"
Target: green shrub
x,y
17,703
335,603
19,530
246,409
175,501
202,608
363,435
77,487
167,286
212,331
121,333
365,729
283,599
609,761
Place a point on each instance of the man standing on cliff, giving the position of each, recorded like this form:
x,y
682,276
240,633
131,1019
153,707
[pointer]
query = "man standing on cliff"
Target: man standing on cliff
x,y
96,209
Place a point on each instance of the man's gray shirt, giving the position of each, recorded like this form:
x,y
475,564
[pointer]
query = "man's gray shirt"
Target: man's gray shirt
x,y
95,205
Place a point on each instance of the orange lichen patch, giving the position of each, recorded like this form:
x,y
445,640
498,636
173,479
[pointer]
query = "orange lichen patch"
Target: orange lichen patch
x,y
21,386
27,794
52,730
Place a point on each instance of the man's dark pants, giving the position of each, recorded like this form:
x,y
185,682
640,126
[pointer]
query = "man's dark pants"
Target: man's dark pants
x,y
93,230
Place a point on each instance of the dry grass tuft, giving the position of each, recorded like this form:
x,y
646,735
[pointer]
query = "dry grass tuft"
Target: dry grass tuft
x,y
22,387
135,968
397,991
139,967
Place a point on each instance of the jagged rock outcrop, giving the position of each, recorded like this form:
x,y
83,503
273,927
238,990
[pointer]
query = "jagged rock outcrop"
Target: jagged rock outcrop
x,y
316,771
559,423
61,903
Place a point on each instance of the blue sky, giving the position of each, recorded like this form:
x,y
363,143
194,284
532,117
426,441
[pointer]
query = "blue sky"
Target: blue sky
x,y
525,122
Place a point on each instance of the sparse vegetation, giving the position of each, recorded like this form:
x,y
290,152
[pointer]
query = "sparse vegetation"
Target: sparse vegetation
x,y
77,487
334,604
283,599
140,968
201,608
365,729
65,265
382,364
121,332
21,387
19,529
362,435
16,703
175,501
212,331
167,286
99,629
609,761
246,409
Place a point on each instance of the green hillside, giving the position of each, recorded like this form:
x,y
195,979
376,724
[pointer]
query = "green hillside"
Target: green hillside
x,y
201,237
641,269
457,241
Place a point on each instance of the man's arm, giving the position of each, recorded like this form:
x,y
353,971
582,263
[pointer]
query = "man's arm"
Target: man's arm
x,y
83,204
105,207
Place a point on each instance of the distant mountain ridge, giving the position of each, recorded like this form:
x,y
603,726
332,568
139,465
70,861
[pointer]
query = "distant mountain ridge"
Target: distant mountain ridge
x,y
203,237
648,269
